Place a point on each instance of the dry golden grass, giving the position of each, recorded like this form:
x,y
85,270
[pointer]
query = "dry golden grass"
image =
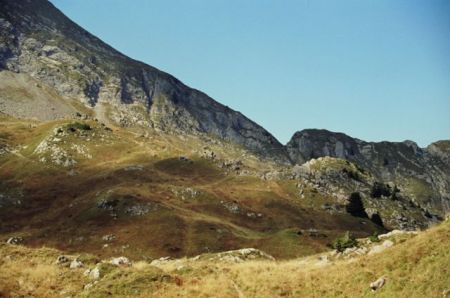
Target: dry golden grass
x,y
32,272
419,267
416,267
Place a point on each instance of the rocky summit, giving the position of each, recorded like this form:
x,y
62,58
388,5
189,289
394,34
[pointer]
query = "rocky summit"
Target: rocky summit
x,y
418,177
39,41
136,180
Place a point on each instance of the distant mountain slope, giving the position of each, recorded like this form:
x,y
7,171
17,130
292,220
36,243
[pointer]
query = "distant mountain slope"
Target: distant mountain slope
x,y
423,173
38,40
52,68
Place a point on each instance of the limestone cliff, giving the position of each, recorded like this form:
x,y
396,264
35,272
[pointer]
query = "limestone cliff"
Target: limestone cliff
x,y
36,39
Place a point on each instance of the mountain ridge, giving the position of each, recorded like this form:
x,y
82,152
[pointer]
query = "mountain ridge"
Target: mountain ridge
x,y
50,63
44,14
55,50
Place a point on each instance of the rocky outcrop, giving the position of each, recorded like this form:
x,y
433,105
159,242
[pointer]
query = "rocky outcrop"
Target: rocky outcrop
x,y
237,256
422,175
38,40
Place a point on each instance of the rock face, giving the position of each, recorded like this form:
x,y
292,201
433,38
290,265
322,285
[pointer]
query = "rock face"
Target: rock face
x,y
420,174
36,39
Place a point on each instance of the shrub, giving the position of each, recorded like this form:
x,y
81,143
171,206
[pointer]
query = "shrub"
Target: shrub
x,y
379,189
352,174
78,126
374,238
345,241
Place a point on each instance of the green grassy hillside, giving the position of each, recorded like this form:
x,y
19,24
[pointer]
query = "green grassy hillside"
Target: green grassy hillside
x,y
68,183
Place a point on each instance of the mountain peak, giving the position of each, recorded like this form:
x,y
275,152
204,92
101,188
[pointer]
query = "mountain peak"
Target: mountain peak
x,y
43,43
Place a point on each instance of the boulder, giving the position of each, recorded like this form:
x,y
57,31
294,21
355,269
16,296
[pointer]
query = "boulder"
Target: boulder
x,y
109,237
349,250
323,260
387,243
361,250
381,247
397,232
241,255
183,158
120,261
160,261
376,249
15,240
62,260
76,264
88,286
377,284
93,273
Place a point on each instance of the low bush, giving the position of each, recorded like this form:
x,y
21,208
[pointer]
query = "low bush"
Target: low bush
x,y
380,189
78,126
374,238
344,242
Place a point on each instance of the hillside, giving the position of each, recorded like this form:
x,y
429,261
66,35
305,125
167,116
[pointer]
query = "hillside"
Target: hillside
x,y
414,266
68,183
103,156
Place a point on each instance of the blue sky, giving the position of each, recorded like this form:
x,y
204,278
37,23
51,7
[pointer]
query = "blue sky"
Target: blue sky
x,y
375,69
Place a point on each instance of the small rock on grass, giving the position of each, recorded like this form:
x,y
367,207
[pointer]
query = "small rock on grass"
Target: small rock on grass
x,y
15,240
93,273
76,264
120,261
378,283
61,260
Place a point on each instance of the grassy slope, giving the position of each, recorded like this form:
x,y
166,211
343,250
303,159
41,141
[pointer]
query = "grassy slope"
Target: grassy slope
x,y
418,267
414,267
60,209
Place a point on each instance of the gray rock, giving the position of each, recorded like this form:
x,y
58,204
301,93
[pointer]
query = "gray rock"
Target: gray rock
x,y
120,261
109,237
15,240
94,273
241,255
76,264
160,261
397,232
377,284
62,260
387,243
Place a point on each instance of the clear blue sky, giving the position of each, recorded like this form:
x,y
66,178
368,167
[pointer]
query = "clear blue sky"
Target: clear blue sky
x,y
375,69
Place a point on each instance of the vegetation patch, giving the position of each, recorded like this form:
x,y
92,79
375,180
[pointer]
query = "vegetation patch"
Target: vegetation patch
x,y
380,189
344,242
374,238
72,127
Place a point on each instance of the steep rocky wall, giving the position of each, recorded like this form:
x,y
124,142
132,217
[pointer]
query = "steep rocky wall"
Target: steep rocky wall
x,y
37,39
